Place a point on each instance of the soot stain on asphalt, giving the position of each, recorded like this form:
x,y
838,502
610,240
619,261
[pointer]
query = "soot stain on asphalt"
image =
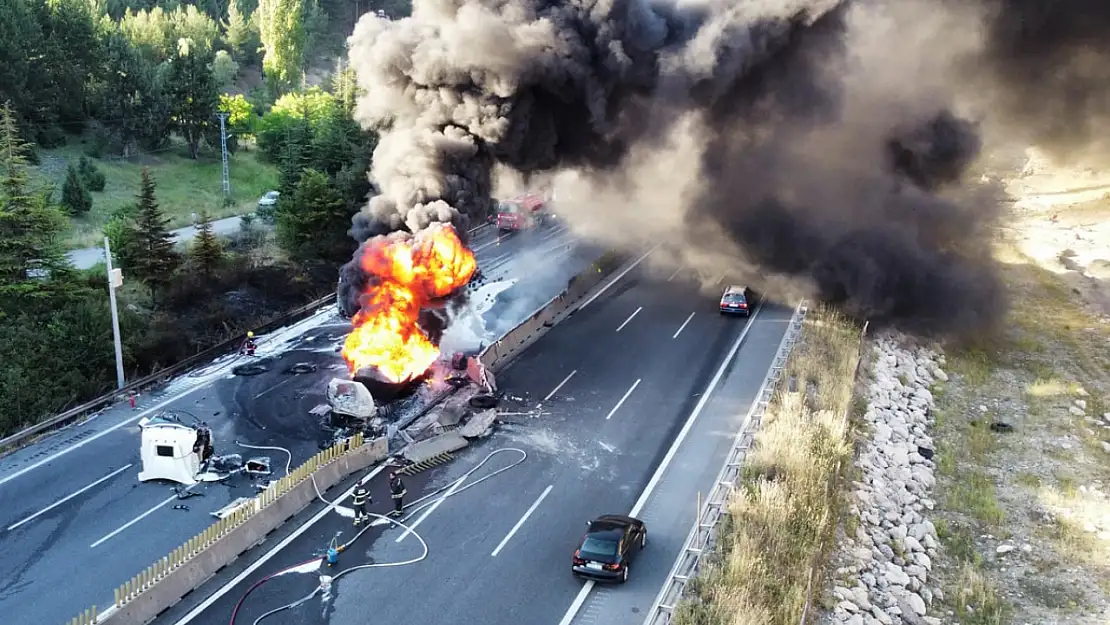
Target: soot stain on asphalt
x,y
275,406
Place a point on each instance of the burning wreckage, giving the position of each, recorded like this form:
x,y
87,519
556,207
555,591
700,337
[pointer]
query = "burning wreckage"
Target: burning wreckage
x,y
390,353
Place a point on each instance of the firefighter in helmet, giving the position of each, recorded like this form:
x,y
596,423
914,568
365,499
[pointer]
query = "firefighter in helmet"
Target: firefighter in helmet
x,y
249,345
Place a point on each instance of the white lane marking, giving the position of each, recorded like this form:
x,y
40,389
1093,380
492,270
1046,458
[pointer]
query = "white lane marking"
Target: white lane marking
x,y
676,272
636,312
735,441
273,388
81,443
683,326
554,233
658,475
68,497
621,402
619,276
519,523
719,278
266,557
556,389
133,521
576,605
496,241
429,511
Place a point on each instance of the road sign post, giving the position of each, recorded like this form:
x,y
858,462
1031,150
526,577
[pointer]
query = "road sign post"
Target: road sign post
x,y
115,280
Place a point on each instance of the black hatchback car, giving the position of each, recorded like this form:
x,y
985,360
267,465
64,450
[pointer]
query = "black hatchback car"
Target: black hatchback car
x,y
607,549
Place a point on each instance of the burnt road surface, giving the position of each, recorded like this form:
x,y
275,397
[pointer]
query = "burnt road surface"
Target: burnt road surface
x,y
596,404
76,522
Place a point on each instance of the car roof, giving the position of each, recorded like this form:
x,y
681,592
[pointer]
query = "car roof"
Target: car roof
x,y
612,522
613,534
735,290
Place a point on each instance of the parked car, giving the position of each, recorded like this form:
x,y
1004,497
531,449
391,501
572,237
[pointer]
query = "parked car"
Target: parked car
x,y
605,553
266,205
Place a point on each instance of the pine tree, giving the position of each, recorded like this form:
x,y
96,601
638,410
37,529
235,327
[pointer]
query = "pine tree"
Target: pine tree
x,y
313,222
154,259
30,227
75,197
91,175
236,29
206,251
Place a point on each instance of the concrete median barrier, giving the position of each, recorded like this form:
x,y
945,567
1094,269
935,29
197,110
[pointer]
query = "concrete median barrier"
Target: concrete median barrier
x,y
165,583
499,354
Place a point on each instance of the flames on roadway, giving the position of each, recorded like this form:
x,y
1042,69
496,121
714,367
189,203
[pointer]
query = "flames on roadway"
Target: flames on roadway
x,y
409,272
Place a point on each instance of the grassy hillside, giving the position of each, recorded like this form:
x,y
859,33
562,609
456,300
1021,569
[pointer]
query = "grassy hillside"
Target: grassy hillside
x,y
185,186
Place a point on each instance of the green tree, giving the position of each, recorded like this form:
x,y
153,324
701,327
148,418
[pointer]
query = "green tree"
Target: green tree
x,y
314,223
31,261
188,22
194,94
224,69
130,96
153,258
120,229
206,252
75,197
281,25
240,118
70,53
91,175
240,35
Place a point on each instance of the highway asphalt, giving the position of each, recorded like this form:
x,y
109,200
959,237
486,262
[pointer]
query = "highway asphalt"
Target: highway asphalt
x,y
595,404
76,522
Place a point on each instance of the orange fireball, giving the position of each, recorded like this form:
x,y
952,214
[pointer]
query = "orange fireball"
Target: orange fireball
x,y
411,272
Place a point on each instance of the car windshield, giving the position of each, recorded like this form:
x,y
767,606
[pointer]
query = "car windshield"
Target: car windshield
x,y
272,195
508,207
599,547
734,298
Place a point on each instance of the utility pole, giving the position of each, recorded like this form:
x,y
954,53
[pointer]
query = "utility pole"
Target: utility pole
x,y
223,148
115,280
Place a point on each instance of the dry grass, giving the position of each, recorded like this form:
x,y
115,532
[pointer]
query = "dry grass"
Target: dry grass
x,y
1031,486
785,511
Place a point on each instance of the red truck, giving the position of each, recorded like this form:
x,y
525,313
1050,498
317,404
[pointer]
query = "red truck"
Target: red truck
x,y
521,212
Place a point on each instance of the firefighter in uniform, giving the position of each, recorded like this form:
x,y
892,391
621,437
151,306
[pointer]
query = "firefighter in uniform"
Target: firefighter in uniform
x,y
249,345
397,492
360,498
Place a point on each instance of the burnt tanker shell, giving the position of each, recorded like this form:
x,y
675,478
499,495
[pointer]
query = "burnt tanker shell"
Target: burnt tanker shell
x,y
382,388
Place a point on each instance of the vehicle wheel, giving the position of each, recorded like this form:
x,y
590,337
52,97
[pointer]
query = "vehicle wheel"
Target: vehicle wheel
x,y
251,369
483,402
624,574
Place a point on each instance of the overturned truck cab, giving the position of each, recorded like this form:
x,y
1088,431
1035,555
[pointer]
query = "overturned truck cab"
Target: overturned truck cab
x,y
173,451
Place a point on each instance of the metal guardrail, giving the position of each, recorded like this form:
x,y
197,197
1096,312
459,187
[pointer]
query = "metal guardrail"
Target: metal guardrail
x,y
703,535
191,548
158,377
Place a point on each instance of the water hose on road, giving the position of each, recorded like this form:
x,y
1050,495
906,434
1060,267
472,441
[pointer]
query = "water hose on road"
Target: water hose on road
x,y
455,487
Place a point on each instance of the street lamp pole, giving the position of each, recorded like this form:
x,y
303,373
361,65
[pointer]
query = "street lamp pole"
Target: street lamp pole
x,y
115,280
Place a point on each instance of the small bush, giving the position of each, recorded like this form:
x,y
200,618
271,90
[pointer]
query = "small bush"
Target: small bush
x,y
91,175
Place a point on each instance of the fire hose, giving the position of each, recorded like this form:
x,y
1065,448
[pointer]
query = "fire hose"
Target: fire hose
x,y
453,488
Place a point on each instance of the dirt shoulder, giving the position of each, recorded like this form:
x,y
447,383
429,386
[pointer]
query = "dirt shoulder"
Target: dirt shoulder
x,y
1023,425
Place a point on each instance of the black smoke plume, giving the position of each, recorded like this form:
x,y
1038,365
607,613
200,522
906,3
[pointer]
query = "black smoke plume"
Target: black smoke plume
x,y
800,158
1044,68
